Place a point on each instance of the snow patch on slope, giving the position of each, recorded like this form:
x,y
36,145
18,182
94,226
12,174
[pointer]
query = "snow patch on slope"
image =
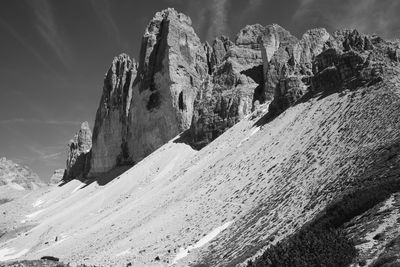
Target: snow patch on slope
x,y
10,254
36,213
183,252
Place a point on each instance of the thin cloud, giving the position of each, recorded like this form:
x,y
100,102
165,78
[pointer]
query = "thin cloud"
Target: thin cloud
x,y
102,9
219,19
251,7
47,153
48,29
27,45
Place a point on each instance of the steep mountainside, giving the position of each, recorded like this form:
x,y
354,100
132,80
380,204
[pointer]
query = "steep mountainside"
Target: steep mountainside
x,y
299,164
17,176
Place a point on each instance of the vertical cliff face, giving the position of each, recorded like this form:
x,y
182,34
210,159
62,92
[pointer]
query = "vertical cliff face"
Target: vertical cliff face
x,y
111,124
144,106
236,81
78,158
288,64
172,68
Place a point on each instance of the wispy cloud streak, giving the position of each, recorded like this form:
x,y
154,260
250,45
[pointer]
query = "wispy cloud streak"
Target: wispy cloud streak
x,y
48,29
219,19
48,153
102,9
27,45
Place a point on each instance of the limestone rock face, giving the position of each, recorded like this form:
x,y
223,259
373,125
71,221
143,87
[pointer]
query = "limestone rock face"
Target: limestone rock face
x,y
353,60
172,68
111,124
181,84
57,176
145,106
324,62
17,176
78,158
288,64
235,79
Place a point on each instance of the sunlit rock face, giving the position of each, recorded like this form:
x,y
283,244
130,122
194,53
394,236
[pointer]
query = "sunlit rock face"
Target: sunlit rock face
x,y
111,124
144,106
78,158
172,68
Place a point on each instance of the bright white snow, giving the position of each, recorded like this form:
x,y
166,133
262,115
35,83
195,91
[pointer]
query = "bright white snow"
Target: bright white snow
x,y
32,215
10,253
37,203
184,252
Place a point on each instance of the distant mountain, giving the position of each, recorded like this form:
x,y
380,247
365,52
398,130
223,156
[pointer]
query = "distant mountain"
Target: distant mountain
x,y
17,176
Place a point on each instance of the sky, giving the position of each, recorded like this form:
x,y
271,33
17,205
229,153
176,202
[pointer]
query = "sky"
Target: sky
x,y
54,54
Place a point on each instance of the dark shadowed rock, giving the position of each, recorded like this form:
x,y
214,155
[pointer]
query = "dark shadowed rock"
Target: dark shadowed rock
x,y
78,158
57,176
234,83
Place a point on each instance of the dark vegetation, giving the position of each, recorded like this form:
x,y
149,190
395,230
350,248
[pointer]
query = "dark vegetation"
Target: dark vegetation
x,y
322,242
310,247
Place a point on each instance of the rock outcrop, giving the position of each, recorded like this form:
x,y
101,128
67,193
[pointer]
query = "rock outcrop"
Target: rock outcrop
x,y
79,150
17,176
181,84
325,63
236,80
57,176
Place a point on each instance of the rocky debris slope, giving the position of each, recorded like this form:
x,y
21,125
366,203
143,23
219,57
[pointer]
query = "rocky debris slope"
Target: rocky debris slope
x,y
79,150
17,176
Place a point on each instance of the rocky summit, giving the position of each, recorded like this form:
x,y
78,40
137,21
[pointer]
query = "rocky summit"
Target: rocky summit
x,y
263,150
